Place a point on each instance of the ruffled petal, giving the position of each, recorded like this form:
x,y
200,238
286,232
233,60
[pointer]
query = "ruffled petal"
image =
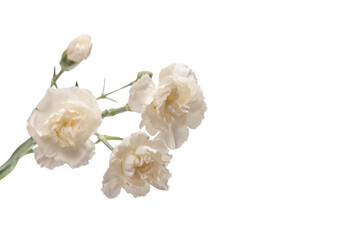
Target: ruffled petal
x,y
194,119
176,134
159,175
176,70
77,156
137,139
112,182
137,190
140,93
44,161
161,180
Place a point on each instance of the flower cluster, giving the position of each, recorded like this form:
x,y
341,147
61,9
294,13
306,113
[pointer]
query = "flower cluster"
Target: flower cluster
x,y
63,122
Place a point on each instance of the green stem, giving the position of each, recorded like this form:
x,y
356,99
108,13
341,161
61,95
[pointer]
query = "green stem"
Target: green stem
x,y
103,95
102,139
128,85
56,77
114,111
140,74
22,150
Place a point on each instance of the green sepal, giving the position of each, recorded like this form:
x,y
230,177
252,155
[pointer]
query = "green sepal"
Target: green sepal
x,y
67,64
140,74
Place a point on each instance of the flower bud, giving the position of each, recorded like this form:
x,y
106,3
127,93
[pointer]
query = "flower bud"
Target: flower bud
x,y
78,50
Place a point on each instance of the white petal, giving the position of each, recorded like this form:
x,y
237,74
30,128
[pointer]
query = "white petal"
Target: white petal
x,y
44,161
151,120
137,190
180,133
78,156
47,146
161,180
176,134
136,139
160,147
194,119
176,70
140,92
112,182
62,96
128,165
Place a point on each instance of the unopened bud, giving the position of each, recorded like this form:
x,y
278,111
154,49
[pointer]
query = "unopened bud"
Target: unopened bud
x,y
78,50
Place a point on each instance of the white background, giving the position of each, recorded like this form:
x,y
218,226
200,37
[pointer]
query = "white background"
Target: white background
x,y
277,156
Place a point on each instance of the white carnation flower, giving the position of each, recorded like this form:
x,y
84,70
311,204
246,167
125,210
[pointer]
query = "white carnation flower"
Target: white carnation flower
x,y
79,49
62,124
170,109
136,164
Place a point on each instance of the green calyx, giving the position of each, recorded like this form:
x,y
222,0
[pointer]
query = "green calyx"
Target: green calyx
x,y
140,74
67,64
114,111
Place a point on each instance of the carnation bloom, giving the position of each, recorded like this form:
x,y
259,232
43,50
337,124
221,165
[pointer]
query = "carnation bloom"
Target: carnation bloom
x,y
79,48
136,164
62,124
170,109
